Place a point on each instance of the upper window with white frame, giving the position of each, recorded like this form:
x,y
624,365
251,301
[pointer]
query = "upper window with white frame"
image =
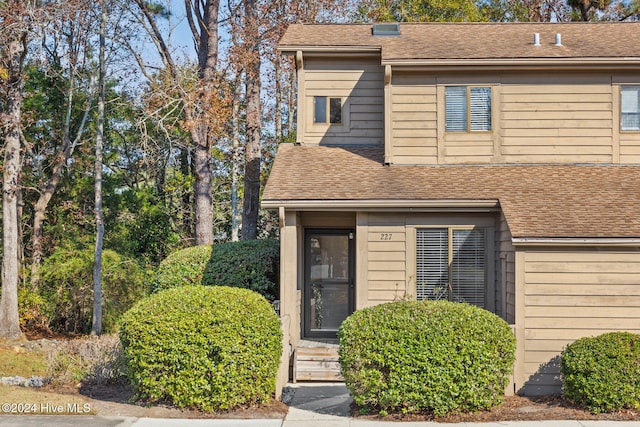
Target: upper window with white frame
x,y
630,108
467,108
327,110
451,264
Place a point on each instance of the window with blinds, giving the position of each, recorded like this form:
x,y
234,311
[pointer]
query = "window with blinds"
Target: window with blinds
x,y
451,265
467,108
630,108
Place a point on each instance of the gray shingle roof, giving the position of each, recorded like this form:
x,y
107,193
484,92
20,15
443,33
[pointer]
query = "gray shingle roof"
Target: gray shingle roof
x,y
545,201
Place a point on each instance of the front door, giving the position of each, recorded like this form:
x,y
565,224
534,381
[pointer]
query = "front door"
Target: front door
x,y
328,285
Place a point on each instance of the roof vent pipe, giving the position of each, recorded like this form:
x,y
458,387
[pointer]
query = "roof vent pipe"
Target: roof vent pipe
x,y
558,39
536,39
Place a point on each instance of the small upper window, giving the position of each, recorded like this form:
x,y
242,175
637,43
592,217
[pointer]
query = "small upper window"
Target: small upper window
x,y
630,108
468,108
327,110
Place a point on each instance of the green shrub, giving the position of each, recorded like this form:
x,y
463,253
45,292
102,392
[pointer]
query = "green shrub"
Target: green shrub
x,y
603,372
183,267
31,307
249,264
434,357
211,348
67,289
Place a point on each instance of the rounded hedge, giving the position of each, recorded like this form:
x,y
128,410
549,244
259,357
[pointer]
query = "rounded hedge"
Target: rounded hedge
x,y
181,268
435,357
603,372
211,348
249,264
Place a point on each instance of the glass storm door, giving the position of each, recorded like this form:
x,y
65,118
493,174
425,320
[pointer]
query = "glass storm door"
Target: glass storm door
x,y
328,286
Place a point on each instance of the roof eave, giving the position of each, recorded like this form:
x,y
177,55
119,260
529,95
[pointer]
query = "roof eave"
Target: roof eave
x,y
576,241
631,63
292,49
383,204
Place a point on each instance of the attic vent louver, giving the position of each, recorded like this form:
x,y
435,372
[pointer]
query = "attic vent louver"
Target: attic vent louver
x,y
391,29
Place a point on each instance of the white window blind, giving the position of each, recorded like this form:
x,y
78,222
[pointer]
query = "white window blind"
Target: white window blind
x,y
432,264
456,108
467,108
630,108
468,266
480,108
450,265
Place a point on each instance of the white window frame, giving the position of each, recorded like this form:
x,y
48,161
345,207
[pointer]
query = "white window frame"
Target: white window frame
x,y
630,108
470,116
444,264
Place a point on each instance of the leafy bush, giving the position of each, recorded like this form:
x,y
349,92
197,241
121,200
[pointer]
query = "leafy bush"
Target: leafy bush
x,y
249,264
31,309
603,372
438,357
205,347
67,288
183,267
91,359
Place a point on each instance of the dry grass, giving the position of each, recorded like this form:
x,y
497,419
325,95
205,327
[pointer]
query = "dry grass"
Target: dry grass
x,y
15,360
17,400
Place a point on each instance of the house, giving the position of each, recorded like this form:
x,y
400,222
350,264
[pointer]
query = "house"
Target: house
x,y
496,164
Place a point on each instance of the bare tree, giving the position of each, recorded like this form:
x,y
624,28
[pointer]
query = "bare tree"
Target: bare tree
x,y
201,110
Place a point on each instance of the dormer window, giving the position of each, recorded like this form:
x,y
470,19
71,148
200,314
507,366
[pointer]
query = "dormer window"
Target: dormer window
x,y
468,108
327,110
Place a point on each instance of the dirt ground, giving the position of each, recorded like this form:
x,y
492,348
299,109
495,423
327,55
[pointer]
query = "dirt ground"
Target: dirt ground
x,y
115,400
519,408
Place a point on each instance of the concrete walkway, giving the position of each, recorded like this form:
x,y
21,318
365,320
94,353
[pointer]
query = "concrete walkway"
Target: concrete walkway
x,y
312,405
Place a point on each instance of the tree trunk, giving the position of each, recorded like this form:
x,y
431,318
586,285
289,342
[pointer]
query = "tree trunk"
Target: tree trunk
x,y
203,157
9,319
252,153
235,165
203,209
96,326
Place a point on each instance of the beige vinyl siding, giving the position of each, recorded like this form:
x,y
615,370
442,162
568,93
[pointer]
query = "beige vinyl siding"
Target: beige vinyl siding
x,y
413,120
360,83
505,265
569,294
535,119
468,147
630,147
386,263
391,253
563,122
